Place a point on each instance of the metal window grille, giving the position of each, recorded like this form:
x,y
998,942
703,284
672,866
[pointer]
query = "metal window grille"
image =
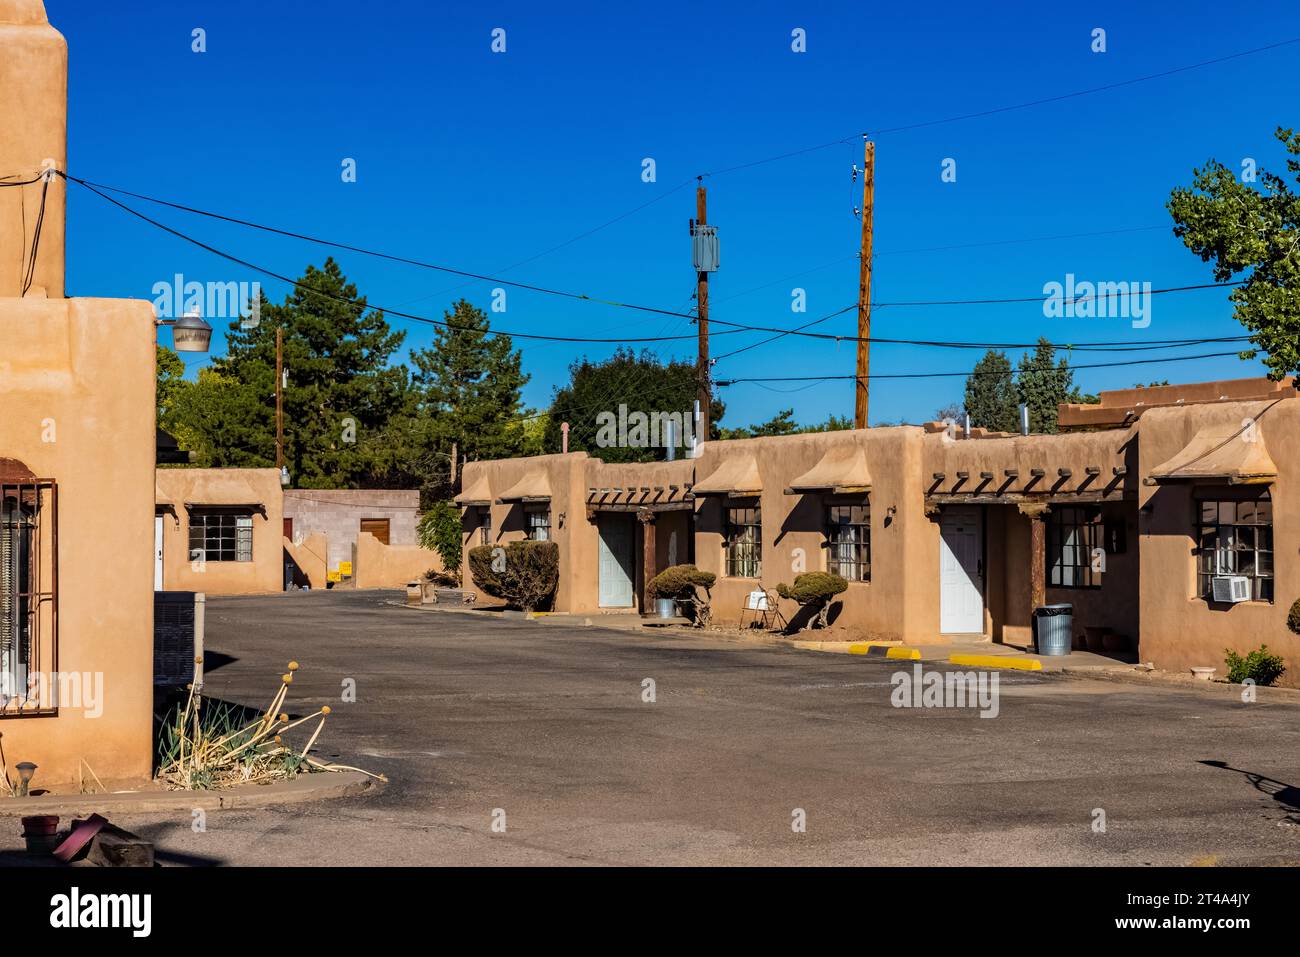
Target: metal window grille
x,y
1072,535
848,539
744,543
29,648
1236,538
539,524
485,526
221,536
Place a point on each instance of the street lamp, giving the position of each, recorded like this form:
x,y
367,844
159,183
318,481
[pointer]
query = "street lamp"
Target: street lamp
x,y
25,771
190,333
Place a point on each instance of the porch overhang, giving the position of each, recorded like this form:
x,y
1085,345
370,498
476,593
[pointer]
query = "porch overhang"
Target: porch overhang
x,y
1226,454
478,493
641,498
533,487
840,470
736,475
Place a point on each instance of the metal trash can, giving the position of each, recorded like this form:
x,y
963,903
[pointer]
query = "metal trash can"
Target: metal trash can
x,y
666,607
1053,628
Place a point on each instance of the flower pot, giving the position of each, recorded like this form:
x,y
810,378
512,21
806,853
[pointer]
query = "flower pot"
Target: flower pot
x,y
1203,674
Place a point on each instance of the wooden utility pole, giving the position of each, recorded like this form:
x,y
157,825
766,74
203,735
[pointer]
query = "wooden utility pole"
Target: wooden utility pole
x,y
864,285
702,327
279,397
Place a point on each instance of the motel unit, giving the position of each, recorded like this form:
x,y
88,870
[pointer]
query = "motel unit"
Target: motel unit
x,y
1156,513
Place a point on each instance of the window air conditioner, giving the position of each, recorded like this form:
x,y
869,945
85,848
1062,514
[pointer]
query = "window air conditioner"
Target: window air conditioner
x,y
1230,588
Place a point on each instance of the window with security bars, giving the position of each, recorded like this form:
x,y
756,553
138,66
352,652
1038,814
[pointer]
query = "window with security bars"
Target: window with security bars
x,y
539,524
744,543
1236,538
221,536
1073,535
484,525
848,541
28,610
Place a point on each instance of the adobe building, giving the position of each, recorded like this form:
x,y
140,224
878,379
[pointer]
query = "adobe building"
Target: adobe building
x,y
218,531
1156,513
76,458
369,532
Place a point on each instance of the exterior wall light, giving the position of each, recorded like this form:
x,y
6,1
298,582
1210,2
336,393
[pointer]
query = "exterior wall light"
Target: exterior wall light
x,y
190,333
284,475
25,771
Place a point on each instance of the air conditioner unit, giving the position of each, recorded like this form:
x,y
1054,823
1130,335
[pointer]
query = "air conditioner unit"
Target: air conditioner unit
x,y
1230,588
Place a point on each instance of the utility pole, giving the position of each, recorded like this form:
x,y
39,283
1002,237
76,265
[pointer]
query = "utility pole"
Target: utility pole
x,y
279,398
702,325
864,285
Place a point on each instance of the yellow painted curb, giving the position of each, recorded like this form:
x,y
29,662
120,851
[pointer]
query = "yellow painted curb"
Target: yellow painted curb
x,y
997,661
877,649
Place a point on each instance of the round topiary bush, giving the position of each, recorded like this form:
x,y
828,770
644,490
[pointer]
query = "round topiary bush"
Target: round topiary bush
x,y
683,583
814,590
1293,617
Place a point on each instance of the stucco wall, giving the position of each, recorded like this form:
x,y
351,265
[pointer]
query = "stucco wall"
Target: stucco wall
x,y
213,487
77,393
309,557
34,81
1180,629
337,513
390,566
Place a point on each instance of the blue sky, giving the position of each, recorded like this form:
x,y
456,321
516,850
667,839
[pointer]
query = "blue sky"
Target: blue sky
x,y
481,160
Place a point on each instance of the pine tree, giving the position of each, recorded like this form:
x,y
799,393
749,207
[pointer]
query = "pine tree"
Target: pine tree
x,y
468,384
991,396
1044,384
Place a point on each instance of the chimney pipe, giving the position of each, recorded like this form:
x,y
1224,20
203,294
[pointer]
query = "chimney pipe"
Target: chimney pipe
x,y
1024,418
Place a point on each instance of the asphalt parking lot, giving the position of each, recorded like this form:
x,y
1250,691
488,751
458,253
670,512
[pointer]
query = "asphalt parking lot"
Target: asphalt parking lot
x,y
548,730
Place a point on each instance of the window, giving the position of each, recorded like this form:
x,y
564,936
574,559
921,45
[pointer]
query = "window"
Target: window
x,y
1072,534
377,527
1236,538
744,543
848,539
221,535
484,525
539,524
28,622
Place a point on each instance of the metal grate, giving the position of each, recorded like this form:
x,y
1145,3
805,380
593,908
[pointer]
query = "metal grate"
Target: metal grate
x,y
744,543
173,637
29,544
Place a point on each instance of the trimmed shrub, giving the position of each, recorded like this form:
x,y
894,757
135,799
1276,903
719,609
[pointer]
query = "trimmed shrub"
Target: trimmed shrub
x,y
682,583
1261,666
1293,617
525,574
814,590
440,531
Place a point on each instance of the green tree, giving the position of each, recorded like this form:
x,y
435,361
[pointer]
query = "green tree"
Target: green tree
x,y
468,385
1043,384
171,381
1241,228
783,423
642,383
991,395
341,400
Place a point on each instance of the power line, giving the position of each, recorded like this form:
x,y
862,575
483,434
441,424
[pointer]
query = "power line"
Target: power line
x,y
392,312
1002,109
96,187
938,375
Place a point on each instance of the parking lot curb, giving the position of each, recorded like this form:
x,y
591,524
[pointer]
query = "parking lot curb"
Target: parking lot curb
x,y
305,787
996,661
876,650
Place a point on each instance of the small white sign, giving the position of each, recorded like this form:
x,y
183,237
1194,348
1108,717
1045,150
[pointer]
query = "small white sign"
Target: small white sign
x,y
757,601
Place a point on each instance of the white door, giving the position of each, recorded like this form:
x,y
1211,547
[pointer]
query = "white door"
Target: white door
x,y
157,552
961,573
617,564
